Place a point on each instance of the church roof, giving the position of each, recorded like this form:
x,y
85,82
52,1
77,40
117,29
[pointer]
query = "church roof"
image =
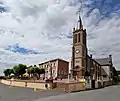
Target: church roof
x,y
59,59
103,61
103,72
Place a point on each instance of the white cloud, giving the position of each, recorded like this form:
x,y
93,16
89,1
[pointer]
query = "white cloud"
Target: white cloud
x,y
43,25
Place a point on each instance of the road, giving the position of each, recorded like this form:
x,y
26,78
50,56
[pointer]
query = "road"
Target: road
x,y
106,94
23,94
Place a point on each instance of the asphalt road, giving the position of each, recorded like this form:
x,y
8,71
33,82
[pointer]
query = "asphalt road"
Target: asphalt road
x,y
23,94
106,94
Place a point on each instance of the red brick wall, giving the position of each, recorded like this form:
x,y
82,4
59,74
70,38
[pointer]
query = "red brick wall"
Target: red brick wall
x,y
63,69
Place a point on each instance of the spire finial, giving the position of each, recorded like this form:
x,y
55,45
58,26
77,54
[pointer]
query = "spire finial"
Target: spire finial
x,y
80,26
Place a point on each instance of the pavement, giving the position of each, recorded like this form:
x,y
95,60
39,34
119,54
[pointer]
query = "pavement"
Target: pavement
x,y
111,93
8,93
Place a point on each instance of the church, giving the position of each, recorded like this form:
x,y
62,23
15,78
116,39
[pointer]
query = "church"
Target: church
x,y
82,64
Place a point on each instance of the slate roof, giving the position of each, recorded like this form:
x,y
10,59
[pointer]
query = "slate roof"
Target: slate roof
x,y
103,61
103,72
53,60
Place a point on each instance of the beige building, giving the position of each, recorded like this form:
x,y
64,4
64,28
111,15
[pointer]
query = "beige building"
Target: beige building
x,y
56,68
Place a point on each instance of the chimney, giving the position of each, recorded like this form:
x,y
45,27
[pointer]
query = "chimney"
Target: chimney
x,y
110,57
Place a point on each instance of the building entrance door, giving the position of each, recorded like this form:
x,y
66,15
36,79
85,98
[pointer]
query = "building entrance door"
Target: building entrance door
x,y
76,72
93,84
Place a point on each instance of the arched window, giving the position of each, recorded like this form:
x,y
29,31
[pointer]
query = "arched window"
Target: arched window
x,y
75,38
79,37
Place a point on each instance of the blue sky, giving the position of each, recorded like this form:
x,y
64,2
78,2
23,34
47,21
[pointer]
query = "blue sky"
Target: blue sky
x,y
43,29
17,49
106,7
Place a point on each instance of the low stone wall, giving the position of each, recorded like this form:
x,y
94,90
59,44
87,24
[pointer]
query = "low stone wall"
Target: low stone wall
x,y
26,84
71,87
19,84
5,82
107,83
36,85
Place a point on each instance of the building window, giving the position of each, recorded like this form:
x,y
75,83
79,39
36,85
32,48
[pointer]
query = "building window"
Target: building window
x,y
54,64
84,39
59,72
53,71
79,37
47,65
75,38
63,72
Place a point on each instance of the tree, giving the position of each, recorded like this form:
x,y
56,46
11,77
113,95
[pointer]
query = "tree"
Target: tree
x,y
29,71
19,70
8,72
16,71
33,72
22,69
42,71
38,71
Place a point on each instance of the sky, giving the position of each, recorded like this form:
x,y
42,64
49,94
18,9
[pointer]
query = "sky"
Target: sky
x,y
32,31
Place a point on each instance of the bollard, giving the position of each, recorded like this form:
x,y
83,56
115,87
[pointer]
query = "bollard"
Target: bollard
x,y
34,89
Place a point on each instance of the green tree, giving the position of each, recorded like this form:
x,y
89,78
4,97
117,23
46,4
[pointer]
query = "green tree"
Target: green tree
x,y
42,71
29,71
33,72
16,71
22,69
19,70
8,72
38,71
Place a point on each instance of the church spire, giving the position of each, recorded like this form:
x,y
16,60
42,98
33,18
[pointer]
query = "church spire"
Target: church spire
x,y
80,25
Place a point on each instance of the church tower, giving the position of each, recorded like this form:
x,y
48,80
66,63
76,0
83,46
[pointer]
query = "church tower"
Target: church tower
x,y
79,51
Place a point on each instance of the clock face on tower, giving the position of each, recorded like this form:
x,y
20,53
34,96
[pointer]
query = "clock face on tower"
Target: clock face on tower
x,y
77,51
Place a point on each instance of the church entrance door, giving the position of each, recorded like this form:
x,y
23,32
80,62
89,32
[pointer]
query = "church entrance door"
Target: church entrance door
x,y
76,72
